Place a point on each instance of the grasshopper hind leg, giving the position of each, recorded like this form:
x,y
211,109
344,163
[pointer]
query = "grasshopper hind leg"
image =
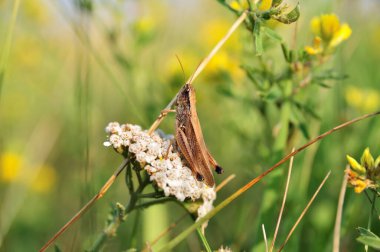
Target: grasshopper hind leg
x,y
218,169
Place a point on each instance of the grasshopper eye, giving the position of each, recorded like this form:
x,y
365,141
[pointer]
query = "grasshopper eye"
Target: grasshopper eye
x,y
200,177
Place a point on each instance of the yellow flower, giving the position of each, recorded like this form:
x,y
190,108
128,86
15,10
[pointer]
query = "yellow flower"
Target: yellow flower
x,y
144,25
265,5
360,185
45,179
10,166
316,48
355,165
328,27
361,99
364,175
330,31
239,5
36,10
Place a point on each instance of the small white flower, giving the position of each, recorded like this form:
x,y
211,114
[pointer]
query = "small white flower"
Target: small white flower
x,y
107,143
149,158
135,148
154,149
163,164
126,135
113,128
116,141
140,156
226,249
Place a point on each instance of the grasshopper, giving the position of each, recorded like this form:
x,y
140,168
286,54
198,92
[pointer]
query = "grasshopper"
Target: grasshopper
x,y
189,137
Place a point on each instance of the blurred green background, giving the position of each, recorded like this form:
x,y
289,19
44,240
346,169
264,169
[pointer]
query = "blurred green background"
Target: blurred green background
x,y
73,66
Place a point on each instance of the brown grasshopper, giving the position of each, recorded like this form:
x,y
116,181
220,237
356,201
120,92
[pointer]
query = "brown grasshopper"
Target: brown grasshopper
x,y
189,137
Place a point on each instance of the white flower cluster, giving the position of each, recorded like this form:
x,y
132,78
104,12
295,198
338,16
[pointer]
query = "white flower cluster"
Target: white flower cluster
x,y
162,163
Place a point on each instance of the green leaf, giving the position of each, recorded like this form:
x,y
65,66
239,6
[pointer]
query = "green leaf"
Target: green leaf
x,y
366,232
282,137
306,109
276,3
298,119
56,248
373,242
258,38
322,84
291,17
285,51
304,130
272,34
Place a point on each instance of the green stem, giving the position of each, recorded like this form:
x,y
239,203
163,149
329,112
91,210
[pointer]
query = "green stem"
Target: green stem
x,y
156,195
154,202
204,240
129,180
370,215
112,227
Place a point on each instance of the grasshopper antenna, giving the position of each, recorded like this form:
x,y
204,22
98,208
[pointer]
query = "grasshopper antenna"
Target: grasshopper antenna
x,y
180,63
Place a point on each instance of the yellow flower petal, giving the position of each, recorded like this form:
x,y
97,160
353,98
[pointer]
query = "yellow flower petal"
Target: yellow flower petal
x,y
316,26
311,50
235,5
367,160
238,6
329,26
355,165
316,48
360,186
342,34
265,5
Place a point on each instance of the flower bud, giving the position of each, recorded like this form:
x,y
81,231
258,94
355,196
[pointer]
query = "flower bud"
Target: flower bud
x,y
355,165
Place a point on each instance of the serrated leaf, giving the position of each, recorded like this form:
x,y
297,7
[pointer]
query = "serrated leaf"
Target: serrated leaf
x,y
272,34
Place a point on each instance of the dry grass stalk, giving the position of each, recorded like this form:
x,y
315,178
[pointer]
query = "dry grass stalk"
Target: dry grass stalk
x,y
304,211
283,202
339,211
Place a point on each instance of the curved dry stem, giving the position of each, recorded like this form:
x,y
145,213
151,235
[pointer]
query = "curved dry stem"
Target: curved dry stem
x,y
76,217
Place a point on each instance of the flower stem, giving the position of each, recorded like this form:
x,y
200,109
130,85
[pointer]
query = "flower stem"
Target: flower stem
x,y
112,227
204,240
371,215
